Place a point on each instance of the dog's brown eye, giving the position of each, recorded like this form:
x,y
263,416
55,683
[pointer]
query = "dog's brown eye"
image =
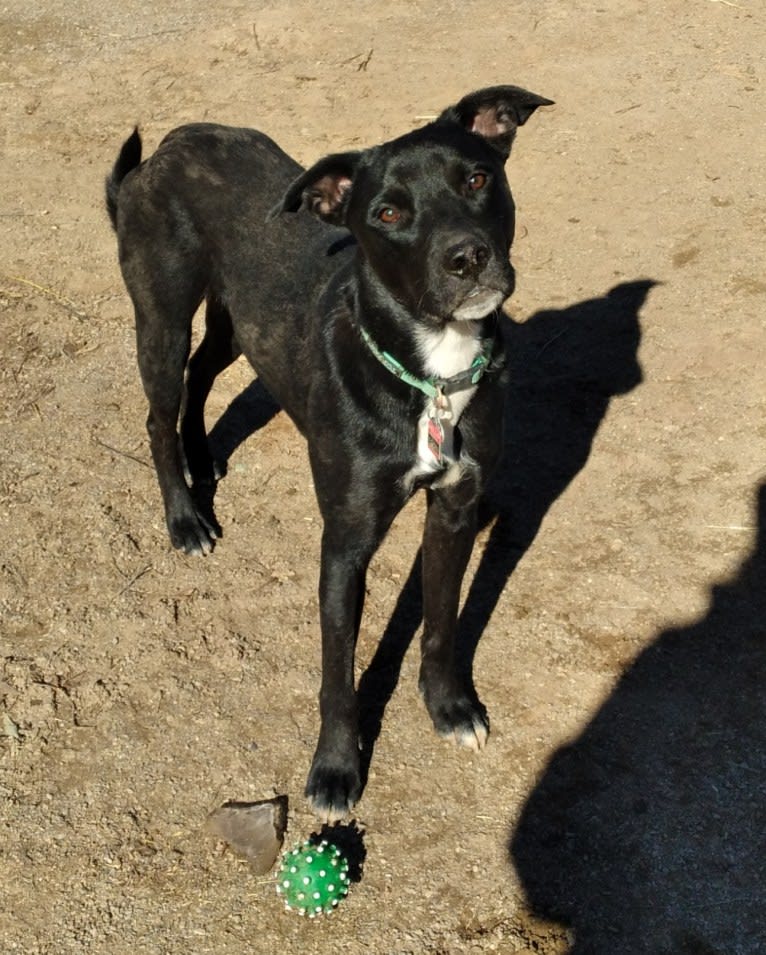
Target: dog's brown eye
x,y
389,215
477,181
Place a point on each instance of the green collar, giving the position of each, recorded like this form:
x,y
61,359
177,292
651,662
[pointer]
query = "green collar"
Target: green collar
x,y
432,386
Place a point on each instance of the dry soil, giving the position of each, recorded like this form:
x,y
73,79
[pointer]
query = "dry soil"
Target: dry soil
x,y
616,596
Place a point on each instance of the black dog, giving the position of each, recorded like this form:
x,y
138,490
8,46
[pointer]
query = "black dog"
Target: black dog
x,y
373,322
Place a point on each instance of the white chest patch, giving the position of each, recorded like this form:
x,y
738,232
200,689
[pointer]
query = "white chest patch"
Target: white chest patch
x,y
448,352
445,353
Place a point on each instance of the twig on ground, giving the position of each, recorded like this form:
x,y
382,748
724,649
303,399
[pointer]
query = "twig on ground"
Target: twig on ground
x,y
52,294
136,577
123,454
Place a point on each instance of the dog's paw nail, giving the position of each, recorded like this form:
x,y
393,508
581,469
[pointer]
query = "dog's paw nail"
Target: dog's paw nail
x,y
328,814
195,548
474,738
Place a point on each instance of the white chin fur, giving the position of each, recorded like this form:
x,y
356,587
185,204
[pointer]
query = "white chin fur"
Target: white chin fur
x,y
479,306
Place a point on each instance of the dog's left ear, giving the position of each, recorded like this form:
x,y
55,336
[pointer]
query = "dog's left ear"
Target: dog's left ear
x,y
495,113
324,189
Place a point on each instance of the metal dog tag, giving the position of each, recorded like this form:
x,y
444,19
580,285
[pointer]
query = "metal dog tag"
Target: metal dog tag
x,y
435,437
439,431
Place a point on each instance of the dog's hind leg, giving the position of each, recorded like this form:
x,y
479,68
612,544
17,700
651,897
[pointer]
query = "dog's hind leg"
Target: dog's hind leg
x,y
217,350
163,332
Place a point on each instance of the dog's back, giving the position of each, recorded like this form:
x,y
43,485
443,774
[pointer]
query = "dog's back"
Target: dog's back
x,y
221,179
193,222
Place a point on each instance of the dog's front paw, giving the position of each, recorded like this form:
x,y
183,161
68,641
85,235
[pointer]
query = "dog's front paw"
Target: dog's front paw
x,y
460,716
332,790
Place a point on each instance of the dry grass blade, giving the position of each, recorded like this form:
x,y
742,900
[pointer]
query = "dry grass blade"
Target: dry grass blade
x,y
52,294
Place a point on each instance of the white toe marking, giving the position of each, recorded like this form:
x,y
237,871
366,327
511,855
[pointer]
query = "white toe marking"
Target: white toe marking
x,y
474,738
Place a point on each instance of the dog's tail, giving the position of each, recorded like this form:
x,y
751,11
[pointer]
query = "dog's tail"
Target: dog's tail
x,y
129,158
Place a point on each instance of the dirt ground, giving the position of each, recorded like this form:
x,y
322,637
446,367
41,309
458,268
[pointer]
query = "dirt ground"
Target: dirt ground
x,y
616,596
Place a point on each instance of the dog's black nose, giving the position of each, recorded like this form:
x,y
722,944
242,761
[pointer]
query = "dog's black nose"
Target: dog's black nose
x,y
467,258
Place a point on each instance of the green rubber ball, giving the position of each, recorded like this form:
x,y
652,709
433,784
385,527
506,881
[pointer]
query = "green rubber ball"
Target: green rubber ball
x,y
313,878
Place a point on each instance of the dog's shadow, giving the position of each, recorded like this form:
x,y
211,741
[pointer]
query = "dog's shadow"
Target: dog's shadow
x,y
565,367
250,411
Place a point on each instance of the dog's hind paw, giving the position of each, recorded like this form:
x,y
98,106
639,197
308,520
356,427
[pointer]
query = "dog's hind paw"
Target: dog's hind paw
x,y
194,534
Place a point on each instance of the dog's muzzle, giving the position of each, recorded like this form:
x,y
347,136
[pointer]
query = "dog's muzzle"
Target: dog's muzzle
x,y
479,303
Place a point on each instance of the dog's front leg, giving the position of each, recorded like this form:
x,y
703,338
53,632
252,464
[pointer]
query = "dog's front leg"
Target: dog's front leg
x,y
448,539
334,782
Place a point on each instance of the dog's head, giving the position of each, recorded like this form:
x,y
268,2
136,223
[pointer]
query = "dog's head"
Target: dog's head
x,y
431,211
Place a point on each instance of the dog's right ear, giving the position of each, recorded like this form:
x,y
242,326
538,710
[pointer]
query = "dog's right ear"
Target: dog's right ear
x,y
324,189
495,113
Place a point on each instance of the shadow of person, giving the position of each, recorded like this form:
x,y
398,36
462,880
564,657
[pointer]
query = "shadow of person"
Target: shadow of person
x,y
647,835
565,367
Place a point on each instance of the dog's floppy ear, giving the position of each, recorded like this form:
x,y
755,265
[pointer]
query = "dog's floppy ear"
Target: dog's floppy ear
x,y
495,113
324,189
